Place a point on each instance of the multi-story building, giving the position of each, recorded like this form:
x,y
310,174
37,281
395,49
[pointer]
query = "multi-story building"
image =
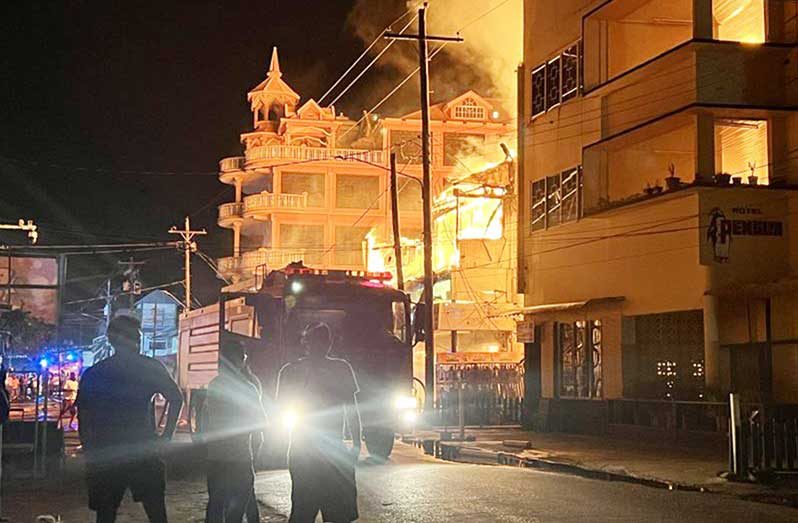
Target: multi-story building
x,y
658,246
313,185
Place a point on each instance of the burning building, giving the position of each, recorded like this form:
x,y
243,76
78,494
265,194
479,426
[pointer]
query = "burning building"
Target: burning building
x,y
313,185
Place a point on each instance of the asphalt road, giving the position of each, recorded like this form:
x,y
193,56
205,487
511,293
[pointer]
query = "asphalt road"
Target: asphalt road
x,y
416,488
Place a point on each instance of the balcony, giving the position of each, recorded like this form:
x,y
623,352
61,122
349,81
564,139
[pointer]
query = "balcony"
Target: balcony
x,y
259,261
234,163
697,73
230,213
258,205
292,152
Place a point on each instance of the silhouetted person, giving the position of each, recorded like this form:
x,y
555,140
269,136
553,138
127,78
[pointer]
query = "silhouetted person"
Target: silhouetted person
x,y
319,392
253,511
70,395
117,425
235,418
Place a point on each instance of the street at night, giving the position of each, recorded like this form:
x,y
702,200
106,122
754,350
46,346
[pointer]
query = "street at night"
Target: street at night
x,y
469,260
416,488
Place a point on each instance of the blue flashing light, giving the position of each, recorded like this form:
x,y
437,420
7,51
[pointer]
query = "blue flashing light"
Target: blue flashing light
x,y
70,356
43,363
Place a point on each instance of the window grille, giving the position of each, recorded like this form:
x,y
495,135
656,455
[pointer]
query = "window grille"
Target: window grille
x,y
469,110
558,80
538,205
553,200
539,91
570,72
553,87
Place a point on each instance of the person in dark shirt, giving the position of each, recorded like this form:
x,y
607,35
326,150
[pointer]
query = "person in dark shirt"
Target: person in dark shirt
x,y
235,433
117,425
319,392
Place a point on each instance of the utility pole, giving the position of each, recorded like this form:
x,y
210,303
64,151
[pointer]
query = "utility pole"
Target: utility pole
x,y
397,238
426,195
189,245
131,285
22,225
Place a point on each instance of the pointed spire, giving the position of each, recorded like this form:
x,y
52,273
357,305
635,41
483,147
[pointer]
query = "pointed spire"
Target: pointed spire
x,y
274,65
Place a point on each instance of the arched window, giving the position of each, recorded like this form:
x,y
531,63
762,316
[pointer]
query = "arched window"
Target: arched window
x,y
469,110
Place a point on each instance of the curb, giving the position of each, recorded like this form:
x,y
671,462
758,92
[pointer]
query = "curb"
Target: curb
x,y
456,452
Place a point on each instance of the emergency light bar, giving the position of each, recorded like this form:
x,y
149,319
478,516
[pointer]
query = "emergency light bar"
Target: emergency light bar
x,y
296,269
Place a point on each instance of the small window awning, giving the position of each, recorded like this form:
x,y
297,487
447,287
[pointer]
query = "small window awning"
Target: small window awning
x,y
557,307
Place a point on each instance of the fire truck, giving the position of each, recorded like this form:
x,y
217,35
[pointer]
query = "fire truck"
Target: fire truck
x,y
371,326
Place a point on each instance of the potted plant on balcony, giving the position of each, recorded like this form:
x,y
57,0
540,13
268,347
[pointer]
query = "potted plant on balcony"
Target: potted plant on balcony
x,y
672,181
722,178
753,179
648,190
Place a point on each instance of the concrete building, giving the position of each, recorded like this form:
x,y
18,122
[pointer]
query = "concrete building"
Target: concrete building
x,y
658,256
313,185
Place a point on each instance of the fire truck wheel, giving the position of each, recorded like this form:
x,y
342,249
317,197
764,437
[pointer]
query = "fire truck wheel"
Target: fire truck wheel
x,y
379,441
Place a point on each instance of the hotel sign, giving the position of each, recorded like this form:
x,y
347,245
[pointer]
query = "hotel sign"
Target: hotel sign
x,y
739,227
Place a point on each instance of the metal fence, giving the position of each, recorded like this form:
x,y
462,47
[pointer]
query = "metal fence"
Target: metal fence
x,y
478,407
765,439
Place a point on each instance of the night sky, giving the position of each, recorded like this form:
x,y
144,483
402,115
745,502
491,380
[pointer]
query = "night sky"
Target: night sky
x,y
101,100
90,90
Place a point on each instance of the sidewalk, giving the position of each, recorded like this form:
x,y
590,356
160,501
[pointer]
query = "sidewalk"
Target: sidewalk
x,y
654,464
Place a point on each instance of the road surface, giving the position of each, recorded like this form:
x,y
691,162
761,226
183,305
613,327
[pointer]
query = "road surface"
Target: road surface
x,y
417,488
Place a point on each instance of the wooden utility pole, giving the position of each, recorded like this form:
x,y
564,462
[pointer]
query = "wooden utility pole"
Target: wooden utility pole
x,y
397,238
426,195
189,245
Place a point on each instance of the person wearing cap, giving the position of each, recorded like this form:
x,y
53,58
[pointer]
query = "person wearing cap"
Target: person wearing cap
x,y
319,392
236,421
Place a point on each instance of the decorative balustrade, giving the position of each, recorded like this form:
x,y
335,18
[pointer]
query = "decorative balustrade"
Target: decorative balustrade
x,y
293,152
268,202
234,163
250,261
230,211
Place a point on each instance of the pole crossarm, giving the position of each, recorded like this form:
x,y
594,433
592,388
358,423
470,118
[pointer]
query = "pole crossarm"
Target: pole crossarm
x,y
189,246
22,225
428,38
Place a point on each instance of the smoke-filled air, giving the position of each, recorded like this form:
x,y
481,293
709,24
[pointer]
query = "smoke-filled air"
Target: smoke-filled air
x,y
486,61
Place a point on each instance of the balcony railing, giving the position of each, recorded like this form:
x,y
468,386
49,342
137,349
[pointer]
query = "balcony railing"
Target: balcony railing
x,y
268,202
271,258
292,152
230,211
265,257
234,163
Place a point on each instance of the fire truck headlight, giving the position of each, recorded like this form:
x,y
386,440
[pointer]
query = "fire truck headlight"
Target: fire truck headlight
x,y
296,287
404,402
290,418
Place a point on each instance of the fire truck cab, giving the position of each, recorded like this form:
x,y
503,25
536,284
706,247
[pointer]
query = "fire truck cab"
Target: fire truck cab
x,y
371,328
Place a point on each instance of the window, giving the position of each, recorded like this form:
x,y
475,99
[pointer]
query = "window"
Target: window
x,y
303,237
456,145
298,183
469,110
407,146
553,200
739,20
539,91
569,192
409,196
538,205
556,199
357,192
580,359
570,72
349,245
553,87
558,80
741,149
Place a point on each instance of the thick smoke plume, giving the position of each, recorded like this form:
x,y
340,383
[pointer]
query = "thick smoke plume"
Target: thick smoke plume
x,y
485,62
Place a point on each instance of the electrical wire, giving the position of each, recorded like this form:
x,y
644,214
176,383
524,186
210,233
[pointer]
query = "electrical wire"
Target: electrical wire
x,y
373,61
364,53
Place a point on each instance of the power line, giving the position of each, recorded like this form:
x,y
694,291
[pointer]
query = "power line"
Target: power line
x,y
364,53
